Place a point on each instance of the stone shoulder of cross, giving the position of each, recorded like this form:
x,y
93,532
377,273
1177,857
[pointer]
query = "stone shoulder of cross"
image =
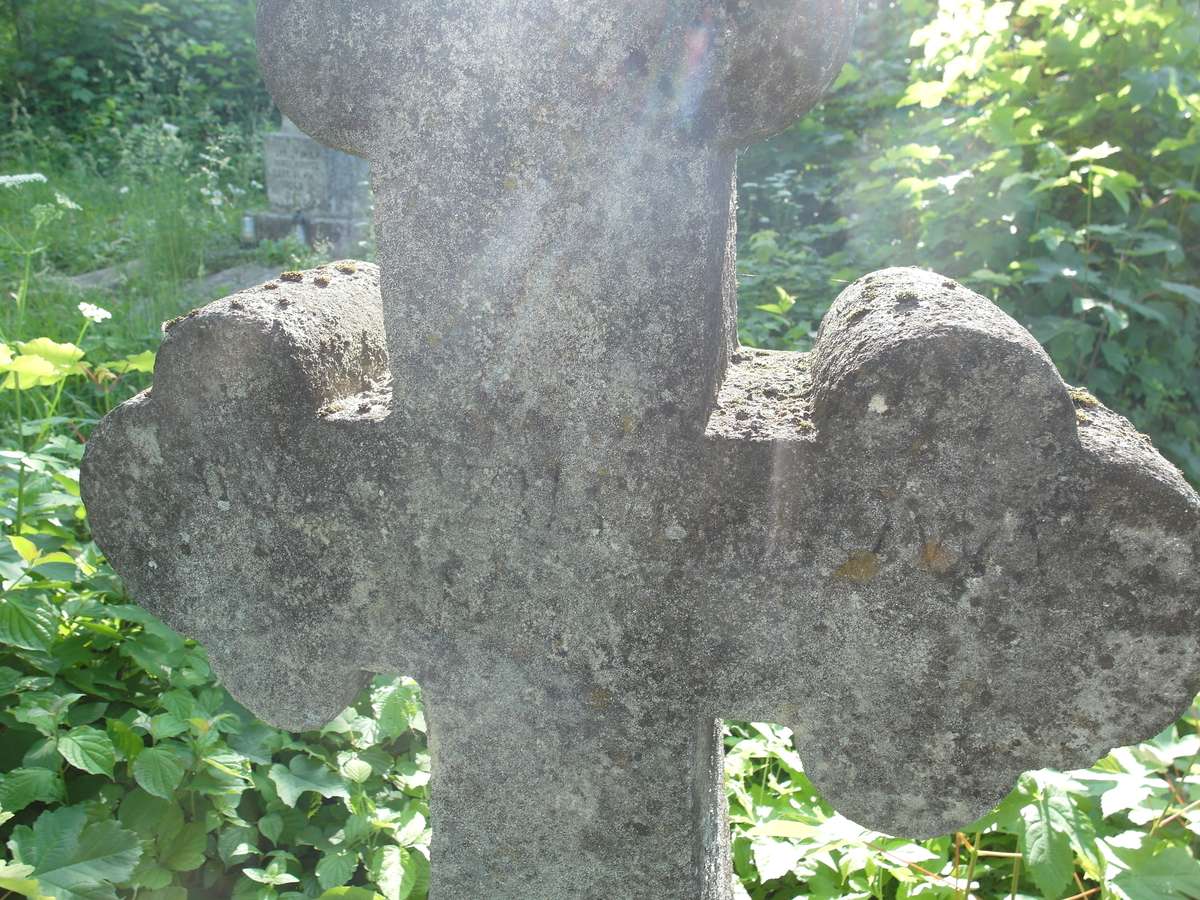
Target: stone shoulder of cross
x,y
527,462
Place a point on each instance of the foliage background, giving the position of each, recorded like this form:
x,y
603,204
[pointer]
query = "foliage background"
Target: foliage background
x,y
1045,152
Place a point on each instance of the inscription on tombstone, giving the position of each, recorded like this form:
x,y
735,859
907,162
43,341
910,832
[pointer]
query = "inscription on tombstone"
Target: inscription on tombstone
x,y
324,192
527,462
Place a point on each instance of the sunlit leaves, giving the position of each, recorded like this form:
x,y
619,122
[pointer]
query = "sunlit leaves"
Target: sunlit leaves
x,y
1045,840
305,774
74,859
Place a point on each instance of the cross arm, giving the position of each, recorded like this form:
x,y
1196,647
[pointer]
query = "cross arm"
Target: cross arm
x,y
231,496
945,566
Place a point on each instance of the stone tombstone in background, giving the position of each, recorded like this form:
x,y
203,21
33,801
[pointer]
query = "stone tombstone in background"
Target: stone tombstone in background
x,y
527,462
325,193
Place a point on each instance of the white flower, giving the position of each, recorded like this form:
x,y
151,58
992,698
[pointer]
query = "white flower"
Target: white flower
x,y
12,181
64,201
93,312
170,129
124,189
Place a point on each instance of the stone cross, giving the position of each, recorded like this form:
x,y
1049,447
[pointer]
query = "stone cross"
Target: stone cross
x,y
527,462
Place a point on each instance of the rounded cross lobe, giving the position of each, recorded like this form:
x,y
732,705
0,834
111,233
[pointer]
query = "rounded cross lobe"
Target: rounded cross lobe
x,y
372,77
957,568
212,493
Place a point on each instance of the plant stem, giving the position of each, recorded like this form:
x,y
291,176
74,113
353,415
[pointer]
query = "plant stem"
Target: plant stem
x,y
21,465
62,383
974,848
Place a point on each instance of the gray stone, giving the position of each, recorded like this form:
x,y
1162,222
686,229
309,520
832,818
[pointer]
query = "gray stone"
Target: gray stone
x,y
234,278
528,463
324,190
108,278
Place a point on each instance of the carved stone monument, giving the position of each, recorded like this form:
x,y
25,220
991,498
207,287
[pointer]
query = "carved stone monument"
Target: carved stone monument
x,y
527,462
319,192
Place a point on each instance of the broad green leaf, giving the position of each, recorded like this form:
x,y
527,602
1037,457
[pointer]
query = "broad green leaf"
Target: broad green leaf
x,y
185,851
305,774
152,818
139,362
125,739
25,548
15,879
75,860
150,875
1172,872
28,624
775,859
350,893
237,843
271,826
926,93
1129,792
167,893
1186,291
88,749
20,787
397,708
336,868
1046,842
159,771
64,355
393,871
357,770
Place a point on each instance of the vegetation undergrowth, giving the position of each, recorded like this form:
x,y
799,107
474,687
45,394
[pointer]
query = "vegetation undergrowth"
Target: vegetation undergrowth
x,y
1043,151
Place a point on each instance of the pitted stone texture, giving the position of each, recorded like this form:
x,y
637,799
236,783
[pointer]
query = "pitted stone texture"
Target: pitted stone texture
x,y
964,574
936,590
587,521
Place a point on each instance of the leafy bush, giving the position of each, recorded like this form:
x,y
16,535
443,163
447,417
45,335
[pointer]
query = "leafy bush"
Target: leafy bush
x,y
1044,152
76,76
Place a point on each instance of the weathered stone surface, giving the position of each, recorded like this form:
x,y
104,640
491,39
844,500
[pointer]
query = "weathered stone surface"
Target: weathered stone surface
x,y
530,466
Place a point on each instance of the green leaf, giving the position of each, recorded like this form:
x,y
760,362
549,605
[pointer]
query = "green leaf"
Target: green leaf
x,y
267,876
74,860
15,878
139,362
26,549
350,893
185,851
88,749
336,868
20,787
1045,840
128,742
27,624
1173,872
304,774
1091,154
271,826
927,93
1186,291
237,843
159,771
64,355
393,871
149,816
